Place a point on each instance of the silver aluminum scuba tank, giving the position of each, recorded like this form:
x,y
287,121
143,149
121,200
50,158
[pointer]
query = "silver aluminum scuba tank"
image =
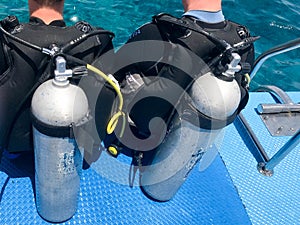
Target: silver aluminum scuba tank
x,y
186,142
56,106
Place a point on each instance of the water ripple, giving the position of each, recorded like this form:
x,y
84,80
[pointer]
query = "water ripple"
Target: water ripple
x,y
276,21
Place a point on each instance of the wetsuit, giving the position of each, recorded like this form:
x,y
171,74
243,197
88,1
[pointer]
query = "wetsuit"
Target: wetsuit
x,y
22,66
170,57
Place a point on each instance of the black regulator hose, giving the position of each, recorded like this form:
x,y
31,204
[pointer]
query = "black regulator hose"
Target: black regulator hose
x,y
71,44
19,40
83,37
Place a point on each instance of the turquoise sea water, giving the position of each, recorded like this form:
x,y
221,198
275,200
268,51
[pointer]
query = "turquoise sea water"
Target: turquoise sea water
x,y
276,21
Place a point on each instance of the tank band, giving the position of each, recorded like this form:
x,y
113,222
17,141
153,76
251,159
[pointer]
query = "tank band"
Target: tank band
x,y
52,131
198,119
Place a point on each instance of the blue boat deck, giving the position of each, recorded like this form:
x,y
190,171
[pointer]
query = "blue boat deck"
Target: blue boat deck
x,y
230,191
267,200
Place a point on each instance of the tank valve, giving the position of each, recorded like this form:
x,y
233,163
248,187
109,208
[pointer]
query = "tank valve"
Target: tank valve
x,y
61,72
233,66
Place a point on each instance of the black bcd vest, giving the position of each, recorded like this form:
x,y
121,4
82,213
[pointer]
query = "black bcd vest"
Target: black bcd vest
x,y
25,66
176,30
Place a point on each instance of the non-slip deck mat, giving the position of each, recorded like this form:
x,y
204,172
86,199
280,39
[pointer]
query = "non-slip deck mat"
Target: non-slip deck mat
x,y
235,194
268,200
205,198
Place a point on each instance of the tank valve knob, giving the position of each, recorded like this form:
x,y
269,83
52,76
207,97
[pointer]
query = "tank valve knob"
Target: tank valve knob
x,y
61,72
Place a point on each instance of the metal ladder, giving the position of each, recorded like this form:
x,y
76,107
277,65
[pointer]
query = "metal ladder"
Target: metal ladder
x,y
272,113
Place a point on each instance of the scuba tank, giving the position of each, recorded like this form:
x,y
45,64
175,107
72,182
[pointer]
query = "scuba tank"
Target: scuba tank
x,y
192,133
57,106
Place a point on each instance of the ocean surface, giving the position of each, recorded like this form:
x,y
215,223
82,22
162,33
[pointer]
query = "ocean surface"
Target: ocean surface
x,y
275,21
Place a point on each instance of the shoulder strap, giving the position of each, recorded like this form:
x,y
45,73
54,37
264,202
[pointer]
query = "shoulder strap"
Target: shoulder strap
x,y
164,18
167,18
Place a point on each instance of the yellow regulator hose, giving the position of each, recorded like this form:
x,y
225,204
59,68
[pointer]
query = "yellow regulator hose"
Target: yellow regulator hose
x,y
115,118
